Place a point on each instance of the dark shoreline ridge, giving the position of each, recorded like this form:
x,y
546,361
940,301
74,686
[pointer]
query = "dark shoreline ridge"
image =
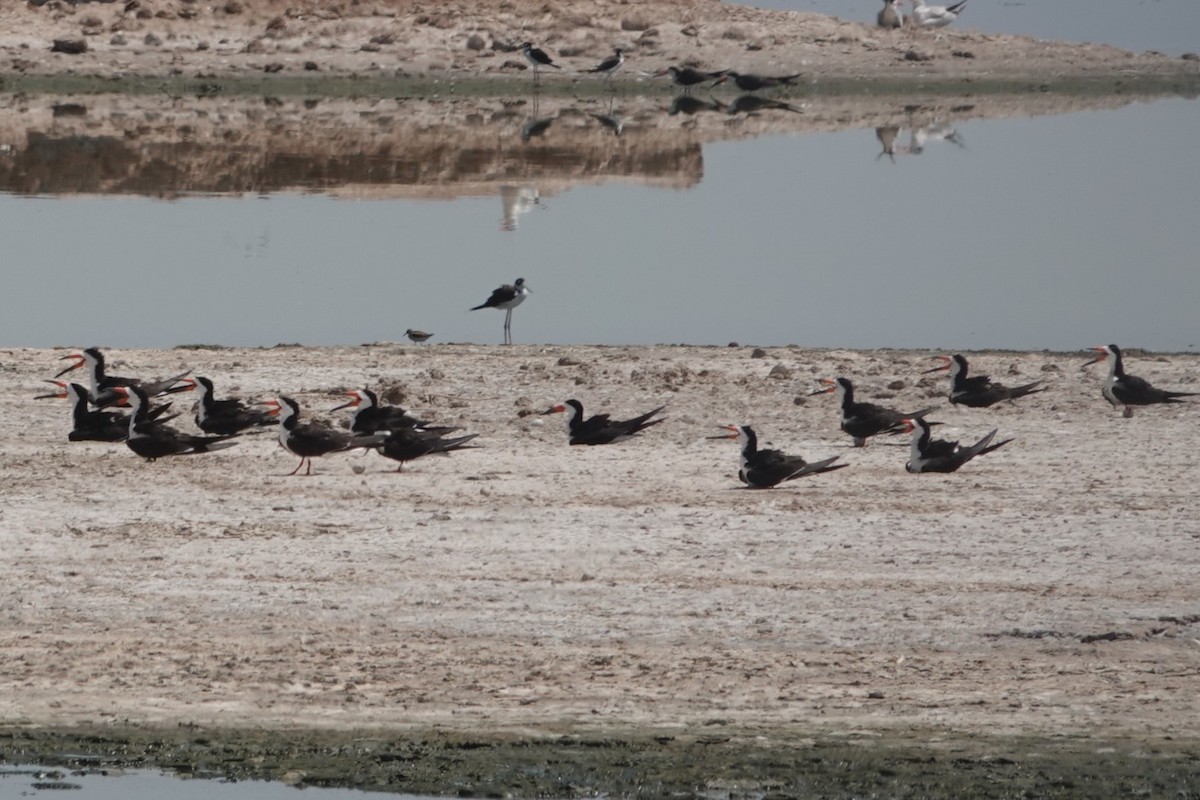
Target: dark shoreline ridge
x,y
793,763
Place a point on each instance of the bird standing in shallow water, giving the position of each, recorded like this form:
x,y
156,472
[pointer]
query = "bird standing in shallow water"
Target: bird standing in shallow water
x,y
507,297
610,65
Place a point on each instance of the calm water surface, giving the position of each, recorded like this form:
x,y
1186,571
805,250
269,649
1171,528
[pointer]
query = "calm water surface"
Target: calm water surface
x,y
1054,232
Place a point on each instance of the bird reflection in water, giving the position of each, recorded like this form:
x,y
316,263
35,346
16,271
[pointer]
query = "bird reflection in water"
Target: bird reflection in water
x,y
918,139
751,103
536,125
686,104
609,119
518,200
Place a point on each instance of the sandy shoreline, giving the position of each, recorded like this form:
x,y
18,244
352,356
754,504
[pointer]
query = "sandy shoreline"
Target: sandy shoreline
x,y
1045,588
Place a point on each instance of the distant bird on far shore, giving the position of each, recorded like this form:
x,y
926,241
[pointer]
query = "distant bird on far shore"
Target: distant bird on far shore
x,y
889,16
420,337
507,297
538,58
924,16
610,65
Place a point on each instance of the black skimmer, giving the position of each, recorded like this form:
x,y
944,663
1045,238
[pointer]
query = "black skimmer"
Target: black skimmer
x,y
687,77
97,426
537,57
610,65
890,16
939,455
1125,390
507,297
152,440
762,469
926,16
371,417
979,391
752,83
600,429
225,417
311,439
863,420
420,337
103,384
406,444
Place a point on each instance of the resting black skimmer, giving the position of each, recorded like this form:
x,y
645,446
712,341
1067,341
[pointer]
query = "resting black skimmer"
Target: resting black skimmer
x,y
752,83
225,417
979,391
863,420
890,16
372,417
926,16
762,469
406,444
600,429
507,297
687,77
97,426
152,440
312,439
420,337
610,65
939,455
103,384
1125,390
537,57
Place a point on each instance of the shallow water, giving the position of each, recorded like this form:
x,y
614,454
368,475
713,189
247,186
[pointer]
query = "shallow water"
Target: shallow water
x,y
940,231
25,780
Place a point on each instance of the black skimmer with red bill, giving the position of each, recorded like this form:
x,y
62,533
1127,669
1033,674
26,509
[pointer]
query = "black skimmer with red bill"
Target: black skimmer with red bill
x,y
610,65
1121,389
926,16
762,469
537,57
312,439
687,77
600,429
225,417
420,337
370,416
863,420
507,297
939,455
152,440
890,16
406,444
103,384
752,83
979,391
97,426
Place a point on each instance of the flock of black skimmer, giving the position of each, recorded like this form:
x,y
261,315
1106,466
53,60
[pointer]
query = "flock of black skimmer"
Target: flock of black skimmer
x,y
395,434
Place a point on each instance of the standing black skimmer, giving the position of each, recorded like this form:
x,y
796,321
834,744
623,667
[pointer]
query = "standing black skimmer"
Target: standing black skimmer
x,y
311,439
890,16
979,391
610,65
406,444
507,297
537,57
371,417
420,337
925,16
688,77
762,469
225,417
752,83
103,384
600,429
1125,390
862,420
97,426
152,440
939,455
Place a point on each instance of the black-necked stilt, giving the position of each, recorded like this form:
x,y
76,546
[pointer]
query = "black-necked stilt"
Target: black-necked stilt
x,y
507,297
